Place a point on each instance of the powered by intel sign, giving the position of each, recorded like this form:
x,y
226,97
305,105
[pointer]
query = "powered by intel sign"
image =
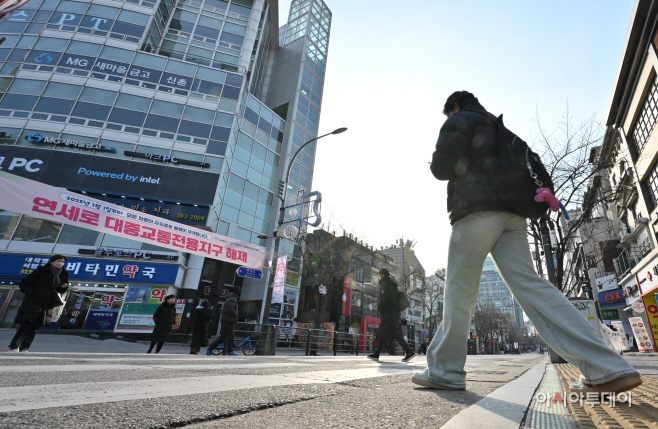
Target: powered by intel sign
x,y
37,138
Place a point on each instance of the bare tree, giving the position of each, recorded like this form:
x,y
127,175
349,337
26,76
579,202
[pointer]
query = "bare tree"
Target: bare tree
x,y
433,289
571,155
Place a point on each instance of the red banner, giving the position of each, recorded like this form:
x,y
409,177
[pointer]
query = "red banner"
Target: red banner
x,y
36,199
347,297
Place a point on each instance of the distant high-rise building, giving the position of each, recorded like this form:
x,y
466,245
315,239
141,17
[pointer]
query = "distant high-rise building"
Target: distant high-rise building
x,y
494,290
208,98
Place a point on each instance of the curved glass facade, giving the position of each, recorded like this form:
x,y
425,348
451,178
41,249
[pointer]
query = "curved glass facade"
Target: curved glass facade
x,y
163,86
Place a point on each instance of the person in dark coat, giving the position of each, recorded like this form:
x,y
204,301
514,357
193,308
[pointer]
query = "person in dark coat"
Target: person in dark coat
x,y
41,288
200,328
164,318
390,326
228,317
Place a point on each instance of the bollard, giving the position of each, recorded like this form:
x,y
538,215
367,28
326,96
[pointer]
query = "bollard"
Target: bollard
x,y
308,342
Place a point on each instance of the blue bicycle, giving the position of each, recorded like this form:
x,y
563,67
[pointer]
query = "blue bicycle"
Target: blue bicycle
x,y
248,349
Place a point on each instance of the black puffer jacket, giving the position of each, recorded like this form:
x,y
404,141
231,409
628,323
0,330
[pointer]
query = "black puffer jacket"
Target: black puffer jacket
x,y
200,327
465,156
230,309
164,318
388,299
39,294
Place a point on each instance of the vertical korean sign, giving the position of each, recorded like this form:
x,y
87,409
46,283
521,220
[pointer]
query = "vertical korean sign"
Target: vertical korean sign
x,y
347,297
279,279
138,307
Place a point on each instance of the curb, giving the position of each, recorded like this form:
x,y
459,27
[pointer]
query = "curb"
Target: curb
x,y
505,407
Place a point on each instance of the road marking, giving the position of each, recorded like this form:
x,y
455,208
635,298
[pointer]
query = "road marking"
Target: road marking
x,y
23,398
93,367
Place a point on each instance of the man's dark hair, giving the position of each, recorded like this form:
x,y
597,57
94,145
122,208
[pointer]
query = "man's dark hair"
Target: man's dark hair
x,y
55,258
462,98
384,272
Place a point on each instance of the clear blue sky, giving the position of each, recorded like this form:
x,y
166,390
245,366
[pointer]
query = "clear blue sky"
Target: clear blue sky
x,y
392,64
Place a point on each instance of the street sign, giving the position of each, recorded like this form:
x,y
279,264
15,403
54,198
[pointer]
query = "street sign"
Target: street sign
x,y
250,273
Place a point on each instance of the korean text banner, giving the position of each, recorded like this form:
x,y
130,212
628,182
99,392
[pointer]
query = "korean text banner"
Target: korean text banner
x,y
43,201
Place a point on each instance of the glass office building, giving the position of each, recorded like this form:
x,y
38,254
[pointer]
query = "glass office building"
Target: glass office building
x,y
210,95
494,290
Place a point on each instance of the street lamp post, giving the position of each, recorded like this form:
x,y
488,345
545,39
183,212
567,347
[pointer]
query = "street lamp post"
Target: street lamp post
x,y
283,194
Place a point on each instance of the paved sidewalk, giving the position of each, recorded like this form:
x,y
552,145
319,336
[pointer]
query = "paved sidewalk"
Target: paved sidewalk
x,y
129,388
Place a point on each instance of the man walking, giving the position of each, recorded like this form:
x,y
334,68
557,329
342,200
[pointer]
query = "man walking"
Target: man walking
x,y
390,327
228,317
481,224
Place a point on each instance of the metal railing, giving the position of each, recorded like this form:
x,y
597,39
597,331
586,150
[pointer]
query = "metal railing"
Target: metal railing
x,y
624,263
204,61
265,339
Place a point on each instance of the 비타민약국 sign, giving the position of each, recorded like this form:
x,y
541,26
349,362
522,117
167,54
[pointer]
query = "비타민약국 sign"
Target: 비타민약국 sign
x,y
36,199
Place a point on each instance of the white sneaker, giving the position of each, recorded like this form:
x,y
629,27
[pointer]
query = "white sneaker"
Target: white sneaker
x,y
422,378
22,350
13,350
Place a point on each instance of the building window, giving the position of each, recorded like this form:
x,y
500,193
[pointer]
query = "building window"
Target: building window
x,y
646,120
8,222
39,230
651,185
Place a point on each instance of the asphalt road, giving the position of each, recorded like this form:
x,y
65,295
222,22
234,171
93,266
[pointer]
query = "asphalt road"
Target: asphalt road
x,y
73,382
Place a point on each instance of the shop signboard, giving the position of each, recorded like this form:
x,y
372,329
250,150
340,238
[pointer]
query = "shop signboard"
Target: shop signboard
x,y
140,303
414,319
606,283
59,205
619,326
113,176
610,314
613,297
279,279
101,252
292,278
188,214
75,310
17,265
642,338
101,320
651,308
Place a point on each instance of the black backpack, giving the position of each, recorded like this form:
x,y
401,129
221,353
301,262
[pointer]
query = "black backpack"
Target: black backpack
x,y
518,174
403,301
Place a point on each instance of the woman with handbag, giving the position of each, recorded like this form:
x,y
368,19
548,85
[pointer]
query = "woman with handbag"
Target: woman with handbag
x,y
42,290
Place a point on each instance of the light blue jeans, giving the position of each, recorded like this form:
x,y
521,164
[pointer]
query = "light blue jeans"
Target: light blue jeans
x,y
557,321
